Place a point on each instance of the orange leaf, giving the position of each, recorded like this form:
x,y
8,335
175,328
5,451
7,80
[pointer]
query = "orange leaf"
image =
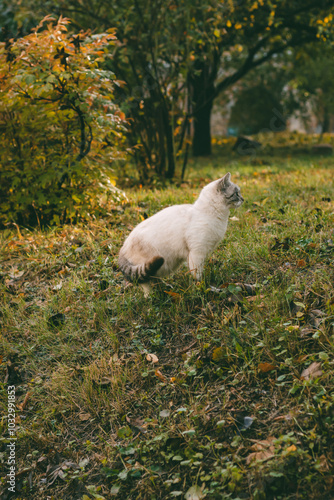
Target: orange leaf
x,y
301,263
266,367
175,295
24,404
291,448
160,376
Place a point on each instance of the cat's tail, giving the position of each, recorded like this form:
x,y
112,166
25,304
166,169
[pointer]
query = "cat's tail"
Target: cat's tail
x,y
141,272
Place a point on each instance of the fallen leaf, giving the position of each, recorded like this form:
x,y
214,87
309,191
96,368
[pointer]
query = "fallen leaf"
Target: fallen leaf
x,y
58,287
164,413
234,218
263,450
317,313
313,371
25,401
301,263
84,416
194,493
291,448
63,272
138,423
174,295
160,376
218,354
152,358
266,367
323,462
16,274
255,297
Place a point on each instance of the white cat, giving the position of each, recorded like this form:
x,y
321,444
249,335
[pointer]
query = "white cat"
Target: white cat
x,y
179,234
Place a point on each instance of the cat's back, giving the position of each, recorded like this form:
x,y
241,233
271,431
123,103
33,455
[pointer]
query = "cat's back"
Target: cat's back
x,y
170,219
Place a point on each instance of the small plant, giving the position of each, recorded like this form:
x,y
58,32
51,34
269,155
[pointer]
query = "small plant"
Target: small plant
x,y
61,130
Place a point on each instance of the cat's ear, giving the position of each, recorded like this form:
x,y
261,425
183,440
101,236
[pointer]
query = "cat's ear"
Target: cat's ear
x,y
224,182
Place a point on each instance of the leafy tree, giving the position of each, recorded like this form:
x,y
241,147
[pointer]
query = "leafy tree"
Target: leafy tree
x,y
151,58
178,57
254,111
60,128
313,81
252,32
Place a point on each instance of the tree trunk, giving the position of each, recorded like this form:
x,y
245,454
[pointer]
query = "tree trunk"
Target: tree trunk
x,y
202,95
325,122
202,130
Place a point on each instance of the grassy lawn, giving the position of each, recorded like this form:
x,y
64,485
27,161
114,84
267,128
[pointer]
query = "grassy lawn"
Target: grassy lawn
x,y
221,389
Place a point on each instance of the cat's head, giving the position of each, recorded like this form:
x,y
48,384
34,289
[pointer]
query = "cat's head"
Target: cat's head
x,y
230,191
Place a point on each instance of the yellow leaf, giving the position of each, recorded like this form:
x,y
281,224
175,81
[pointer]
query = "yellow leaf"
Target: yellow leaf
x,y
217,354
228,24
216,33
291,448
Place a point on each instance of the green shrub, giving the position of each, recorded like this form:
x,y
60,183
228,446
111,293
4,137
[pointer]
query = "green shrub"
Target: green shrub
x,y
61,130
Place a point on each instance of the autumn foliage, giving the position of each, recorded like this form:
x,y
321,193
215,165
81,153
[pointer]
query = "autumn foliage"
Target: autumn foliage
x,y
61,129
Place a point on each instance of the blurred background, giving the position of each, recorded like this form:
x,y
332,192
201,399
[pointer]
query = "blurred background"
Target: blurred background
x,y
168,82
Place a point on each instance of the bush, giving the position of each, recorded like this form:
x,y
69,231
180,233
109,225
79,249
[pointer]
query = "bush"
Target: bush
x,y
61,130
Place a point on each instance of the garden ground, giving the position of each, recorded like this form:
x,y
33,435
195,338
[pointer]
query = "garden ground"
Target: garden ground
x,y
221,389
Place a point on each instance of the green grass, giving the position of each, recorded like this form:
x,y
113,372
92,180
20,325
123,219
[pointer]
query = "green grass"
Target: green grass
x,y
102,420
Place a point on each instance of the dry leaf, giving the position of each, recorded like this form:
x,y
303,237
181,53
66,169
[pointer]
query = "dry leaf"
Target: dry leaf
x,y
301,263
138,423
317,313
313,371
304,332
152,358
263,450
25,401
266,367
164,413
160,376
84,416
16,274
194,493
174,295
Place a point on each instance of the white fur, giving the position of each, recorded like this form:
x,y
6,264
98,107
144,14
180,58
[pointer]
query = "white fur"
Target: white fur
x,y
184,233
